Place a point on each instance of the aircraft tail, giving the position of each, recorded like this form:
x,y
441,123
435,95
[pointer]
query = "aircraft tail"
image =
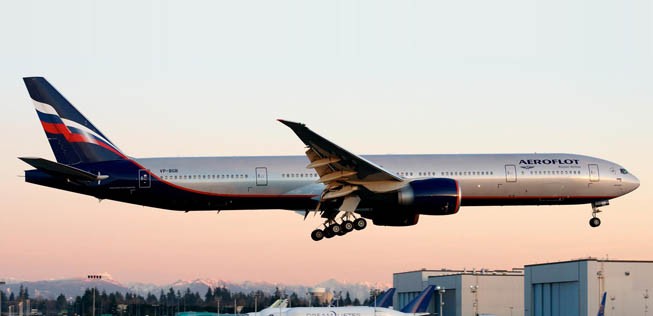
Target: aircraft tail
x,y
602,306
385,299
73,138
420,303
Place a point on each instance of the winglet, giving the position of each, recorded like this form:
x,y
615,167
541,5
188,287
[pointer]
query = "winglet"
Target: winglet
x,y
292,125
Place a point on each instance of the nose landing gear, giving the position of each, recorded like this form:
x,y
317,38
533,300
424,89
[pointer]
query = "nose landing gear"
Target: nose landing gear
x,y
595,221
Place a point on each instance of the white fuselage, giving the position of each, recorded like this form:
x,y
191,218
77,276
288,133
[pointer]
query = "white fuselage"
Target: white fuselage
x,y
487,179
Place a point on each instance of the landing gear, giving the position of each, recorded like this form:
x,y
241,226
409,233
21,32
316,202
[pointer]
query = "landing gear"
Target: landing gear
x,y
333,229
347,226
595,221
360,224
317,235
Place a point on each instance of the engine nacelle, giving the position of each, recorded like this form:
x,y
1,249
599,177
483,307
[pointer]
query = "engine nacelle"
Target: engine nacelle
x,y
388,217
435,196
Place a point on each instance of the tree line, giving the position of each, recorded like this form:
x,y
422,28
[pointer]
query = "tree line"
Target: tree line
x,y
166,303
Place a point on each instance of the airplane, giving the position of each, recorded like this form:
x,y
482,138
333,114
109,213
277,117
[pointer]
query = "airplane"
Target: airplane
x,y
601,311
385,299
345,188
417,306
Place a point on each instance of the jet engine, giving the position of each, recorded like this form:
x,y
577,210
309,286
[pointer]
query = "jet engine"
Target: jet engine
x,y
435,196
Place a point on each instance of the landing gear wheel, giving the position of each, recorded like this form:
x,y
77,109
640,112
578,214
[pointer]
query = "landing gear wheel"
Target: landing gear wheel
x,y
317,234
347,226
360,223
595,222
328,233
335,229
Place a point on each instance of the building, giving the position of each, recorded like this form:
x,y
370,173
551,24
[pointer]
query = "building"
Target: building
x,y
463,292
576,287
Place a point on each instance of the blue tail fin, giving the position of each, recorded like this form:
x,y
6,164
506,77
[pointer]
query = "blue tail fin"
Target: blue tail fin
x,y
72,137
385,299
602,306
420,303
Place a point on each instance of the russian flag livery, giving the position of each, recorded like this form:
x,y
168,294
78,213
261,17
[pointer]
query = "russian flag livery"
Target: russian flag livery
x,y
345,188
73,138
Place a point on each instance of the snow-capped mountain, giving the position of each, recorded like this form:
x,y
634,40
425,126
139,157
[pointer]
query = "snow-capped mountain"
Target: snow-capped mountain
x,y
76,286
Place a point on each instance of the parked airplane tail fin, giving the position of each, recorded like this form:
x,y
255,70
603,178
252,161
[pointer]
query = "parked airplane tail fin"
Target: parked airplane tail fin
x,y
385,299
602,306
73,138
420,303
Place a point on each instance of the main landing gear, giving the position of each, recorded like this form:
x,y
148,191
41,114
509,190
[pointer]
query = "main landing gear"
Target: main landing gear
x,y
595,221
331,229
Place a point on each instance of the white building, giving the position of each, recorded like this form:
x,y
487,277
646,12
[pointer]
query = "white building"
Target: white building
x,y
491,292
576,287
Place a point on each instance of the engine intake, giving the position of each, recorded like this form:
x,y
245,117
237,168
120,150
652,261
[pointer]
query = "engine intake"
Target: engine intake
x,y
435,196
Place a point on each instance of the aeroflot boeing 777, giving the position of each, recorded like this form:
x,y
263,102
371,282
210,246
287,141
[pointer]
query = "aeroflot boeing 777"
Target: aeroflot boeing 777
x,y
391,190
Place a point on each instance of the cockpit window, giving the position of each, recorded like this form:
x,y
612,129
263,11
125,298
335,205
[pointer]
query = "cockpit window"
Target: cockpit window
x,y
624,171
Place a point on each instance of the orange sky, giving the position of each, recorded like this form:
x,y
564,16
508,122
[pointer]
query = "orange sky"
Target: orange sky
x,y
419,77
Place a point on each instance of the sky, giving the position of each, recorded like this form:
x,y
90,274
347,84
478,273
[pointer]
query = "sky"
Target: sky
x,y
210,78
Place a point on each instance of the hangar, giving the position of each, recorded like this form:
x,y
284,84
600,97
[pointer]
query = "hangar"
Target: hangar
x,y
465,292
576,287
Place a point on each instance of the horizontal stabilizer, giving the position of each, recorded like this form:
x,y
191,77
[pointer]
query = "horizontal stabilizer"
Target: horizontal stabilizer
x,y
58,169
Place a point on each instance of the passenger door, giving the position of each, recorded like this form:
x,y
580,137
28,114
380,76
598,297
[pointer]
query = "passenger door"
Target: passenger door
x,y
594,173
261,176
511,173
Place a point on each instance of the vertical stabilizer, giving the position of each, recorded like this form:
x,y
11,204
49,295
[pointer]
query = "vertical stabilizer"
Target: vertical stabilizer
x,y
385,299
602,306
73,138
420,303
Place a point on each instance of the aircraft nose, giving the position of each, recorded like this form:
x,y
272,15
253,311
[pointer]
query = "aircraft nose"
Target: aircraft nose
x,y
633,182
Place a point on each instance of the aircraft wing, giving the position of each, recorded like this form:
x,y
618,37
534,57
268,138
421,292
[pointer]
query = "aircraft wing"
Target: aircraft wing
x,y
334,163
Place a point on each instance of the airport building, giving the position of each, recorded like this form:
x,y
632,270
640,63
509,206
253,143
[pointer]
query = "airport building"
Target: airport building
x,y
465,292
576,287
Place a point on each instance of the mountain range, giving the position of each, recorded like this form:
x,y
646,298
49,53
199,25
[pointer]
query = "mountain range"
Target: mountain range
x,y
75,286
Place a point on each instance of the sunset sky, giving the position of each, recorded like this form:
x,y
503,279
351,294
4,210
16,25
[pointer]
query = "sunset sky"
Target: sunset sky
x,y
210,78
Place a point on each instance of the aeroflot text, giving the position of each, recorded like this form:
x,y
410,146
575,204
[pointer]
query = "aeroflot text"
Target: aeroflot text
x,y
549,162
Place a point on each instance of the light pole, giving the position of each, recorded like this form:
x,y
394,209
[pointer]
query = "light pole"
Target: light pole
x,y
646,302
441,291
374,293
218,300
474,290
94,277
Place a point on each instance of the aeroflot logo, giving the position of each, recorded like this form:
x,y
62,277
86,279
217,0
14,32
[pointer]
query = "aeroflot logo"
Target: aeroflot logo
x,y
530,163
